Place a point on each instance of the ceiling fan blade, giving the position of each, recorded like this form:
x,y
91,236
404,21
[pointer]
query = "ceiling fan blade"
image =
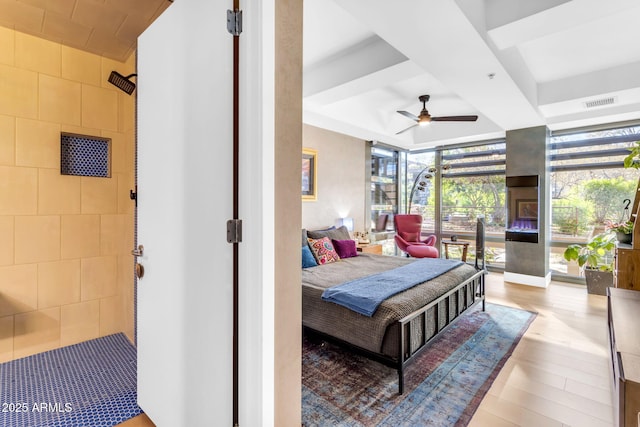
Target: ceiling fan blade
x,y
454,119
409,115
404,130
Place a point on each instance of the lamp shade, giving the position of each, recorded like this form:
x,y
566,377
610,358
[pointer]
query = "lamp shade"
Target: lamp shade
x,y
347,222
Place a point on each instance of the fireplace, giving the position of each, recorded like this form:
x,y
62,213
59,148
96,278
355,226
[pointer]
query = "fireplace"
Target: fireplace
x,y
522,209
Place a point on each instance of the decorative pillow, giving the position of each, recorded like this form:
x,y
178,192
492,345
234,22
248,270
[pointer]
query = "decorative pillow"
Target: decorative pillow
x,y
323,250
340,233
307,258
304,238
345,248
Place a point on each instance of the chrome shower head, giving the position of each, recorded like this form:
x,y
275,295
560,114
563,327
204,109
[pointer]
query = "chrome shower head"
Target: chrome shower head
x,y
121,82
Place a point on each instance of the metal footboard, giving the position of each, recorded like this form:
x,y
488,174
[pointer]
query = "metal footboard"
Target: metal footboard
x,y
453,304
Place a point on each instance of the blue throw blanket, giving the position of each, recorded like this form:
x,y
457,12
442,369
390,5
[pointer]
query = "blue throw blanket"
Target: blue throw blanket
x,y
365,294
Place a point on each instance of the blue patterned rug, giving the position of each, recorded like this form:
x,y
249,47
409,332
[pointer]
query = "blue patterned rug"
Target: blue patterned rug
x,y
443,387
91,384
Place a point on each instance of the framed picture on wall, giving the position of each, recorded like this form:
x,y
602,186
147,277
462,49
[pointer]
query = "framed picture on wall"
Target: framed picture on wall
x,y
309,174
526,209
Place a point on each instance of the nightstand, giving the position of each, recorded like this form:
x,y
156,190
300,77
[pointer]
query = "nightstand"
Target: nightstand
x,y
370,248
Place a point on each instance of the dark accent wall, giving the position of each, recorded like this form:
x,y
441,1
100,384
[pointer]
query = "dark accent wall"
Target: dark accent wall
x,y
528,154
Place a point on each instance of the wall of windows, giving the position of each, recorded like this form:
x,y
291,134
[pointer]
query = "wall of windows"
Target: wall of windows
x,y
451,186
455,186
384,184
588,187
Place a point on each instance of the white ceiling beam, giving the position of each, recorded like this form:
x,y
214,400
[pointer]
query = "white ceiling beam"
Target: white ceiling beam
x,y
556,19
440,38
367,82
598,83
362,59
503,12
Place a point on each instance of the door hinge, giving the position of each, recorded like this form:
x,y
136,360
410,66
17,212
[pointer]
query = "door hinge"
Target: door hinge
x,y
234,231
234,22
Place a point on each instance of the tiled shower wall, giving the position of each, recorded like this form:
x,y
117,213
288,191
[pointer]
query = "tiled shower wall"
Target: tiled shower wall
x,y
65,265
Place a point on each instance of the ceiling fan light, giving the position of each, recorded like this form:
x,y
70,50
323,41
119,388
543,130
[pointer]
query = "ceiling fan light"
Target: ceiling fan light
x,y
424,122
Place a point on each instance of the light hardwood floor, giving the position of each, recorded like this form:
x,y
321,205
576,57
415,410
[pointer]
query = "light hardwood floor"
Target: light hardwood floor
x,y
558,374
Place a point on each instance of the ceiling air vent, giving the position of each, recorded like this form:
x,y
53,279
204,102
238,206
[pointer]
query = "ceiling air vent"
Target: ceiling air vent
x,y
600,102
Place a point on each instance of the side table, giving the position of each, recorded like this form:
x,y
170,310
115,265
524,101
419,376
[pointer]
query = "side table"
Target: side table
x,y
465,247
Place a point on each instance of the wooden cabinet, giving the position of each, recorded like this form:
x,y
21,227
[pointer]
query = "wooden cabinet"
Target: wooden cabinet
x,y
623,306
626,273
627,267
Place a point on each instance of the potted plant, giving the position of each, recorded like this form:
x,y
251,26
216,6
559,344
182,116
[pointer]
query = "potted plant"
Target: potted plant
x,y
596,260
623,230
633,158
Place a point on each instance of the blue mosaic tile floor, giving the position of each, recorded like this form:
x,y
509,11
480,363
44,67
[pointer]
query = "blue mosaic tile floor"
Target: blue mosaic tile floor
x,y
91,384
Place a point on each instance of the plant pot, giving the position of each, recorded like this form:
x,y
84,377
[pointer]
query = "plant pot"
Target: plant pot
x,y
623,238
598,281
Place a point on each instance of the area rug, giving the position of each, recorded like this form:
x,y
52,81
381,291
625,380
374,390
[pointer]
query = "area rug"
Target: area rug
x,y
91,384
443,387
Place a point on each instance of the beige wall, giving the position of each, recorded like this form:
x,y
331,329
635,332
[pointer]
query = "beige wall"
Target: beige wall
x,y
65,267
341,179
288,169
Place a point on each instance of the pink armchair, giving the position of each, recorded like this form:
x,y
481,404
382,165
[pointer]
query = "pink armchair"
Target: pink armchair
x,y
408,238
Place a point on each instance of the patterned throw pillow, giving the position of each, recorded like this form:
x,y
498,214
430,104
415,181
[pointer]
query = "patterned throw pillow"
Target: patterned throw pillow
x,y
323,250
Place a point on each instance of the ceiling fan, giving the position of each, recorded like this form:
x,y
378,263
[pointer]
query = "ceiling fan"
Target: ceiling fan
x,y
425,118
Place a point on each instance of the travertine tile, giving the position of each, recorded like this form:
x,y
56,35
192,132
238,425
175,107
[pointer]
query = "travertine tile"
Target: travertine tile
x,y
18,191
37,239
37,54
99,195
125,185
111,315
37,144
99,277
6,339
99,108
6,240
58,283
18,289
58,194
79,322
36,331
116,234
81,66
19,92
7,141
7,43
60,100
121,159
80,236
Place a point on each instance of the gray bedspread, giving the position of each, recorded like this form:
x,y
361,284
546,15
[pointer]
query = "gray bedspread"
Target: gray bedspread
x,y
357,329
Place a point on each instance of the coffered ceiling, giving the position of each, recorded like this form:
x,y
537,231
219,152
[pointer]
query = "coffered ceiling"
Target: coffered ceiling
x,y
514,63
105,27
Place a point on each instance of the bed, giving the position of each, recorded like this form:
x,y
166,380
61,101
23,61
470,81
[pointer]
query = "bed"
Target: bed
x,y
403,324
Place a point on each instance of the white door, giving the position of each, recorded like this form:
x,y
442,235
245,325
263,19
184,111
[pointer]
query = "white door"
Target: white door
x,y
184,200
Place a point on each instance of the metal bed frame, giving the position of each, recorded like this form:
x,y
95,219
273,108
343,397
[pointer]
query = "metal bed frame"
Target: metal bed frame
x,y
455,302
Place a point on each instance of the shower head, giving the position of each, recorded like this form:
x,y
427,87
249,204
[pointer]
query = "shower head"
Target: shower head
x,y
123,83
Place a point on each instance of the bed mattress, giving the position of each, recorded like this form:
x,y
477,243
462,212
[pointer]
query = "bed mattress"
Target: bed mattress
x,y
357,329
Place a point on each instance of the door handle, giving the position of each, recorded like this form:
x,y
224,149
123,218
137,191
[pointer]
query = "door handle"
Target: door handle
x,y
139,251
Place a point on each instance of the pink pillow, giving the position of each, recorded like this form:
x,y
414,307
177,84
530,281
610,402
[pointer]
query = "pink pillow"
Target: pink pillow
x,y
323,250
345,248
